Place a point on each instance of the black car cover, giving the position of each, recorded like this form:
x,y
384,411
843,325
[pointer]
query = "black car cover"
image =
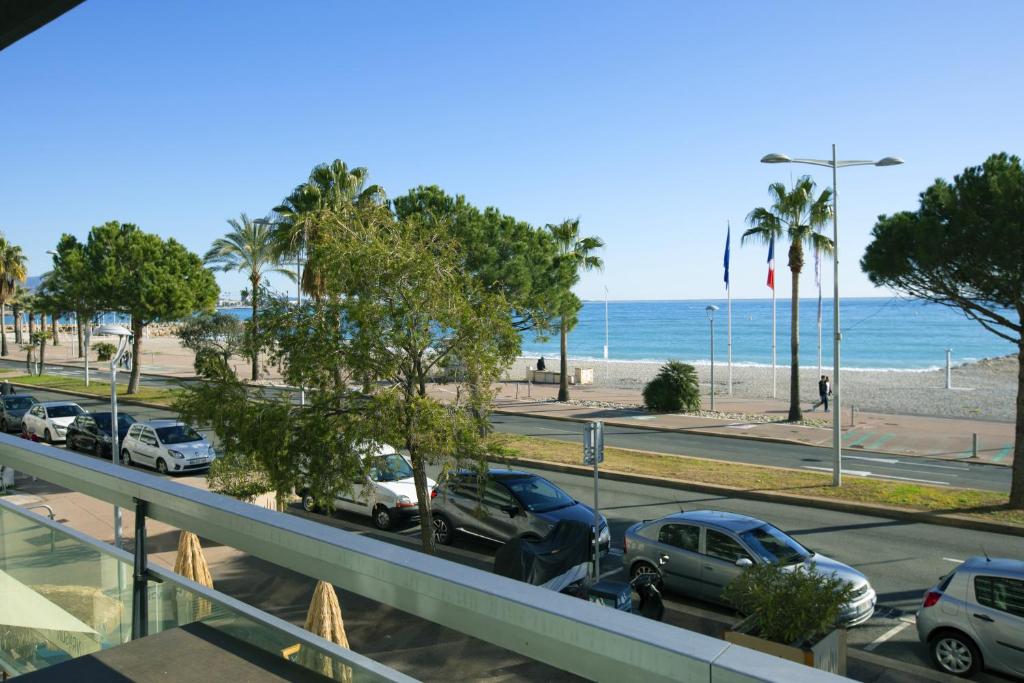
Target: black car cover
x,y
537,562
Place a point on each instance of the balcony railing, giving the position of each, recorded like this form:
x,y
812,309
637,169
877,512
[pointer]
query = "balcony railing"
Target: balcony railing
x,y
573,635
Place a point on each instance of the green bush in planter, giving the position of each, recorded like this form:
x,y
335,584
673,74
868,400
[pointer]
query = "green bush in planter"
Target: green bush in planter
x,y
104,350
790,606
675,388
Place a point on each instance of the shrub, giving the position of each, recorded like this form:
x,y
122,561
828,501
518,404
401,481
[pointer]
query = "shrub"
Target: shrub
x,y
104,350
674,389
789,606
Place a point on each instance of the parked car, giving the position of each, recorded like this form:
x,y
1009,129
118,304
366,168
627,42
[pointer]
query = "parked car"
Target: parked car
x,y
388,494
49,420
167,445
698,553
506,504
12,409
974,618
91,432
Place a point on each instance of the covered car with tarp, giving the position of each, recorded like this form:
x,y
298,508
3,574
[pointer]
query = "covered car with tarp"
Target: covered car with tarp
x,y
555,562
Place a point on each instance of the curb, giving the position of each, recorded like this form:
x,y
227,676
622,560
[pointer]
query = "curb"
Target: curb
x,y
873,510
79,394
618,422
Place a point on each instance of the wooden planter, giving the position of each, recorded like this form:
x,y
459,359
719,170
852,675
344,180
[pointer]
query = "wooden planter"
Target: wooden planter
x,y
827,654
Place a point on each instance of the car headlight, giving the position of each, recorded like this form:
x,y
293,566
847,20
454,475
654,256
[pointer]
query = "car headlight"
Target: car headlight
x,y
210,452
404,502
60,428
175,454
605,536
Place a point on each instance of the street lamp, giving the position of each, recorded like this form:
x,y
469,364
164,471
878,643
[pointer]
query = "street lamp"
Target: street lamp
x,y
711,323
124,335
837,464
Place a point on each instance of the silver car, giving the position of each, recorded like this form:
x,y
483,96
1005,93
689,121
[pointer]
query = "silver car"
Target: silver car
x,y
13,409
167,445
506,504
699,553
974,618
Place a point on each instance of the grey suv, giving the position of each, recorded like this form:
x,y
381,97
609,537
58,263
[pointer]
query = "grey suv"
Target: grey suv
x,y
974,618
506,504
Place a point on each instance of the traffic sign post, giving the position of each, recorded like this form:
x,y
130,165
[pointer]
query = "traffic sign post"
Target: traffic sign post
x,y
593,454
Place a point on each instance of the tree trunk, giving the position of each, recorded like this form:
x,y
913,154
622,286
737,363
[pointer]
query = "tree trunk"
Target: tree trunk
x,y
1017,477
78,330
3,329
53,326
419,476
255,329
42,353
563,377
31,325
795,414
133,381
17,323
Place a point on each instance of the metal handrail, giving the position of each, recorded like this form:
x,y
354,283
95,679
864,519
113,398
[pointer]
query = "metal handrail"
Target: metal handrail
x,y
571,634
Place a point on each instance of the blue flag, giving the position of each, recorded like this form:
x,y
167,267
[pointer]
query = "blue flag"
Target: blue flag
x,y
726,260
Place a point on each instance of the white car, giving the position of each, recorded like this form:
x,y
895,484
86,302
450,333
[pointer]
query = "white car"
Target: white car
x,y
388,494
168,446
49,420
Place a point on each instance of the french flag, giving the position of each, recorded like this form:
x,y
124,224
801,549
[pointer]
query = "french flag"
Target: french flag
x,y
771,263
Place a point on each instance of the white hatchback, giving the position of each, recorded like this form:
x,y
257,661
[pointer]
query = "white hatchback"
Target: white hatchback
x,y
168,446
49,420
388,494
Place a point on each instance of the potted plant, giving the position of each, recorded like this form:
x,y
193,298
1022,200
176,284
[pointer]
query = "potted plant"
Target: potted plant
x,y
791,613
104,350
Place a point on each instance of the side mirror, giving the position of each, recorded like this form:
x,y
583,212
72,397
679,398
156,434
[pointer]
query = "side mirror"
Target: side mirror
x,y
510,510
744,563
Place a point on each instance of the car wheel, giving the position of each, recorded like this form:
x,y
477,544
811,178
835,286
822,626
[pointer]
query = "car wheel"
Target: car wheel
x,y
309,502
644,568
47,437
161,466
955,653
444,532
382,518
127,458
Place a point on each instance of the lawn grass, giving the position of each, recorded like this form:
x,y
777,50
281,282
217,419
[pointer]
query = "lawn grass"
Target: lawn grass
x,y
163,396
987,505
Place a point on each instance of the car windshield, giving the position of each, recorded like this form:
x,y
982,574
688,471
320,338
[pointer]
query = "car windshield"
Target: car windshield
x,y
771,545
64,411
103,422
538,495
177,434
18,402
389,468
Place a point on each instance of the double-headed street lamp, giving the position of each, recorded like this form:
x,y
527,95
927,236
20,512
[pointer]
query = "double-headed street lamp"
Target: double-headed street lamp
x,y
837,465
124,336
710,309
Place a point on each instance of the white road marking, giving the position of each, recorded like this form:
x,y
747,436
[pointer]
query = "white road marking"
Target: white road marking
x,y
740,426
909,619
887,461
920,481
865,473
941,467
886,636
953,559
645,417
855,473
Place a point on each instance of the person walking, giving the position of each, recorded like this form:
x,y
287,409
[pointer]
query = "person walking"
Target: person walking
x,y
540,364
822,393
827,392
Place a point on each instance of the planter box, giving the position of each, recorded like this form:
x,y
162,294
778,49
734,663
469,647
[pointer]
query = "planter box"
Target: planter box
x,y
828,654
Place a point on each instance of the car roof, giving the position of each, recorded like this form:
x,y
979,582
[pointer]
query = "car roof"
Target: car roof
x,y
155,424
54,404
498,473
1003,565
716,518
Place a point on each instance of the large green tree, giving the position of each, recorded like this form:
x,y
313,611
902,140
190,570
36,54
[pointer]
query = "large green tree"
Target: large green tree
x,y
147,277
70,285
796,215
574,254
964,248
248,248
12,271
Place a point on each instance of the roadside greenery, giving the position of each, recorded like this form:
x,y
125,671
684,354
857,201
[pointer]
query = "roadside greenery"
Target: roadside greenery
x,y
929,500
212,335
964,248
12,272
104,350
159,395
673,389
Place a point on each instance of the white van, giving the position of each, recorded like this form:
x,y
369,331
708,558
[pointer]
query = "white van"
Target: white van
x,y
388,494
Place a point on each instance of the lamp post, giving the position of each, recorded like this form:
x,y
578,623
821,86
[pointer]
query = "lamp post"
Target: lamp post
x,y
123,335
711,324
834,164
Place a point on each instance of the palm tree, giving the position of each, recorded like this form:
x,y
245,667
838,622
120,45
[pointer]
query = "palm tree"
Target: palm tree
x,y
574,254
249,249
797,215
302,218
12,271
16,300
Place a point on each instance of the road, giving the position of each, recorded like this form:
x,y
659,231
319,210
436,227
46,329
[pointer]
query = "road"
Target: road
x,y
901,559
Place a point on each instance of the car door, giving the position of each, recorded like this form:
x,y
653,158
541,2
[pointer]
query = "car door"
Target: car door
x,y
149,447
680,544
998,619
496,522
718,565
461,499
33,419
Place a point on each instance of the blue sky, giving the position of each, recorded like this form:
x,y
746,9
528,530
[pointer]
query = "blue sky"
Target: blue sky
x,y
646,120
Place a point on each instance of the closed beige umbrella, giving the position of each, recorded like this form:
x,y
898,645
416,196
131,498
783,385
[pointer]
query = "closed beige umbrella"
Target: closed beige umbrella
x,y
324,619
191,563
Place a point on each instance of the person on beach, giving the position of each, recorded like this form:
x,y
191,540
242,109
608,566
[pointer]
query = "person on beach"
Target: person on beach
x,y
827,392
540,364
822,393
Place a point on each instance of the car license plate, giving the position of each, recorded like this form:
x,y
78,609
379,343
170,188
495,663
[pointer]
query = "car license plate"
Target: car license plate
x,y
196,461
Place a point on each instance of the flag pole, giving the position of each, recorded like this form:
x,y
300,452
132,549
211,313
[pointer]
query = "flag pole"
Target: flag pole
x,y
728,294
774,390
607,371
817,276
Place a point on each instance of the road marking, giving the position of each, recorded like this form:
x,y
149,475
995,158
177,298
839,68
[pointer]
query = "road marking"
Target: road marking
x,y
886,636
864,437
921,481
887,461
740,426
961,468
880,441
953,559
645,417
855,473
1005,451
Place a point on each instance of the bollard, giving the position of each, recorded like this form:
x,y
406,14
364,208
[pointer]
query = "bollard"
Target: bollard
x,y
974,445
949,369
529,389
517,391
852,409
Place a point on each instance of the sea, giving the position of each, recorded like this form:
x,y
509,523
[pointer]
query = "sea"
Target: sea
x,y
878,333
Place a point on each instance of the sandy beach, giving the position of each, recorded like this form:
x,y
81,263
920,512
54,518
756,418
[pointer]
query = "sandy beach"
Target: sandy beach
x,y
984,390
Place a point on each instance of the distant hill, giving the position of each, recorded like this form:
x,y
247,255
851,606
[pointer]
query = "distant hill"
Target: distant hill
x,y
32,282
